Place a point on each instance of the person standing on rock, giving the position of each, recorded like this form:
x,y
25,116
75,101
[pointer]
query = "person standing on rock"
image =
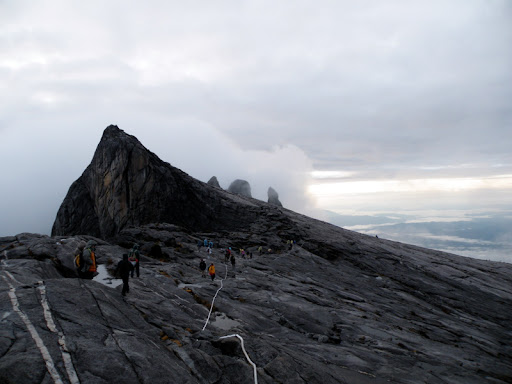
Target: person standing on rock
x,y
134,258
211,271
123,270
88,261
202,267
233,263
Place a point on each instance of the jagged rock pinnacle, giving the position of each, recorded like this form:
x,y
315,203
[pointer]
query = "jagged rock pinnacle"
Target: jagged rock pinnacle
x,y
273,197
127,185
214,182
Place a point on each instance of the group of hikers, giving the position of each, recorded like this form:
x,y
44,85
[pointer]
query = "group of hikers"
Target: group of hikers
x,y
229,256
208,244
86,267
211,269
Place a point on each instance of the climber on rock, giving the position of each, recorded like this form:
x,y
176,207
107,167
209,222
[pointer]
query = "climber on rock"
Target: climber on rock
x,y
211,271
123,270
134,258
88,261
233,263
202,267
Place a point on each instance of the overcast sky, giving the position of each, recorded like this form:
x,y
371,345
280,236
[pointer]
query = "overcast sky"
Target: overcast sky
x,y
352,106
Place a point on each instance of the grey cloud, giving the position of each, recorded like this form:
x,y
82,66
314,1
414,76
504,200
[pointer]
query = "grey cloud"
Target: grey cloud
x,y
381,89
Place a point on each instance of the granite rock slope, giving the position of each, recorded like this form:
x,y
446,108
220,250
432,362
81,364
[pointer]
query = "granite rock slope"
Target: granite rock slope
x,y
315,304
357,310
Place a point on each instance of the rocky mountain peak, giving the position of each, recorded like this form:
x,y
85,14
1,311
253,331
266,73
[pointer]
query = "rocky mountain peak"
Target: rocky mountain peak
x,y
127,185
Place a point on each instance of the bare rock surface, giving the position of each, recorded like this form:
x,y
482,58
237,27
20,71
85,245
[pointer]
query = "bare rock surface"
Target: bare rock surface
x,y
332,306
340,308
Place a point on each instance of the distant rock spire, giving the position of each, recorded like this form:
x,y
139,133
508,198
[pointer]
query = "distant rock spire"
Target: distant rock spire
x,y
240,187
214,182
273,197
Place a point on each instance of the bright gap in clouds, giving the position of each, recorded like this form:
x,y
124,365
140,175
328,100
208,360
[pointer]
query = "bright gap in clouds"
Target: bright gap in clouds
x,y
468,216
324,190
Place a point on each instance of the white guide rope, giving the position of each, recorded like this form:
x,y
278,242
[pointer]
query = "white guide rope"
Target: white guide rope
x,y
235,335
246,355
216,293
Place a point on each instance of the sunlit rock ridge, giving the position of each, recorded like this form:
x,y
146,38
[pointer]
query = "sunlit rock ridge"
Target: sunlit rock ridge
x,y
331,306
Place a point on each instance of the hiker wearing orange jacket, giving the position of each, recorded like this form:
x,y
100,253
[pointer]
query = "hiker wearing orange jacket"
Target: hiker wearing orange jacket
x,y
211,271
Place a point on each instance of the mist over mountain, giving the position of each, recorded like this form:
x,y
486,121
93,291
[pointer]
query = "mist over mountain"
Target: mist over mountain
x,y
485,236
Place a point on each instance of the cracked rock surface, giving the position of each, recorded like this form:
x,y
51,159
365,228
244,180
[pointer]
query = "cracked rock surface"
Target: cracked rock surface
x,y
357,310
314,304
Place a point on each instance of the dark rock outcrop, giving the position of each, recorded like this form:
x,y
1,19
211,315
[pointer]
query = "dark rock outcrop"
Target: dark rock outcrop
x,y
127,185
273,197
240,187
214,182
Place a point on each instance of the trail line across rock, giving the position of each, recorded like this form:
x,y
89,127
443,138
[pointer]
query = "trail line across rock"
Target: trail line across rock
x,y
235,335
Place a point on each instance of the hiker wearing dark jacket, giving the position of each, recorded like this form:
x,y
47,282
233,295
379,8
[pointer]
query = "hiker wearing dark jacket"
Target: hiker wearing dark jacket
x,y
233,262
123,270
134,258
202,267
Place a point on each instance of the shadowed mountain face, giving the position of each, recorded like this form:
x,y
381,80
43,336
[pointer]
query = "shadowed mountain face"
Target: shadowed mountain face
x,y
127,185
335,307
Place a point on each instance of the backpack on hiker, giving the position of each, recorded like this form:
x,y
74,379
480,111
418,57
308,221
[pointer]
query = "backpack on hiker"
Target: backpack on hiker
x,y
78,256
134,254
78,260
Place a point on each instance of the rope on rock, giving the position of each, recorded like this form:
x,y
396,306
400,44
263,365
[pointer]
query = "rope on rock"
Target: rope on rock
x,y
246,355
234,335
216,293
